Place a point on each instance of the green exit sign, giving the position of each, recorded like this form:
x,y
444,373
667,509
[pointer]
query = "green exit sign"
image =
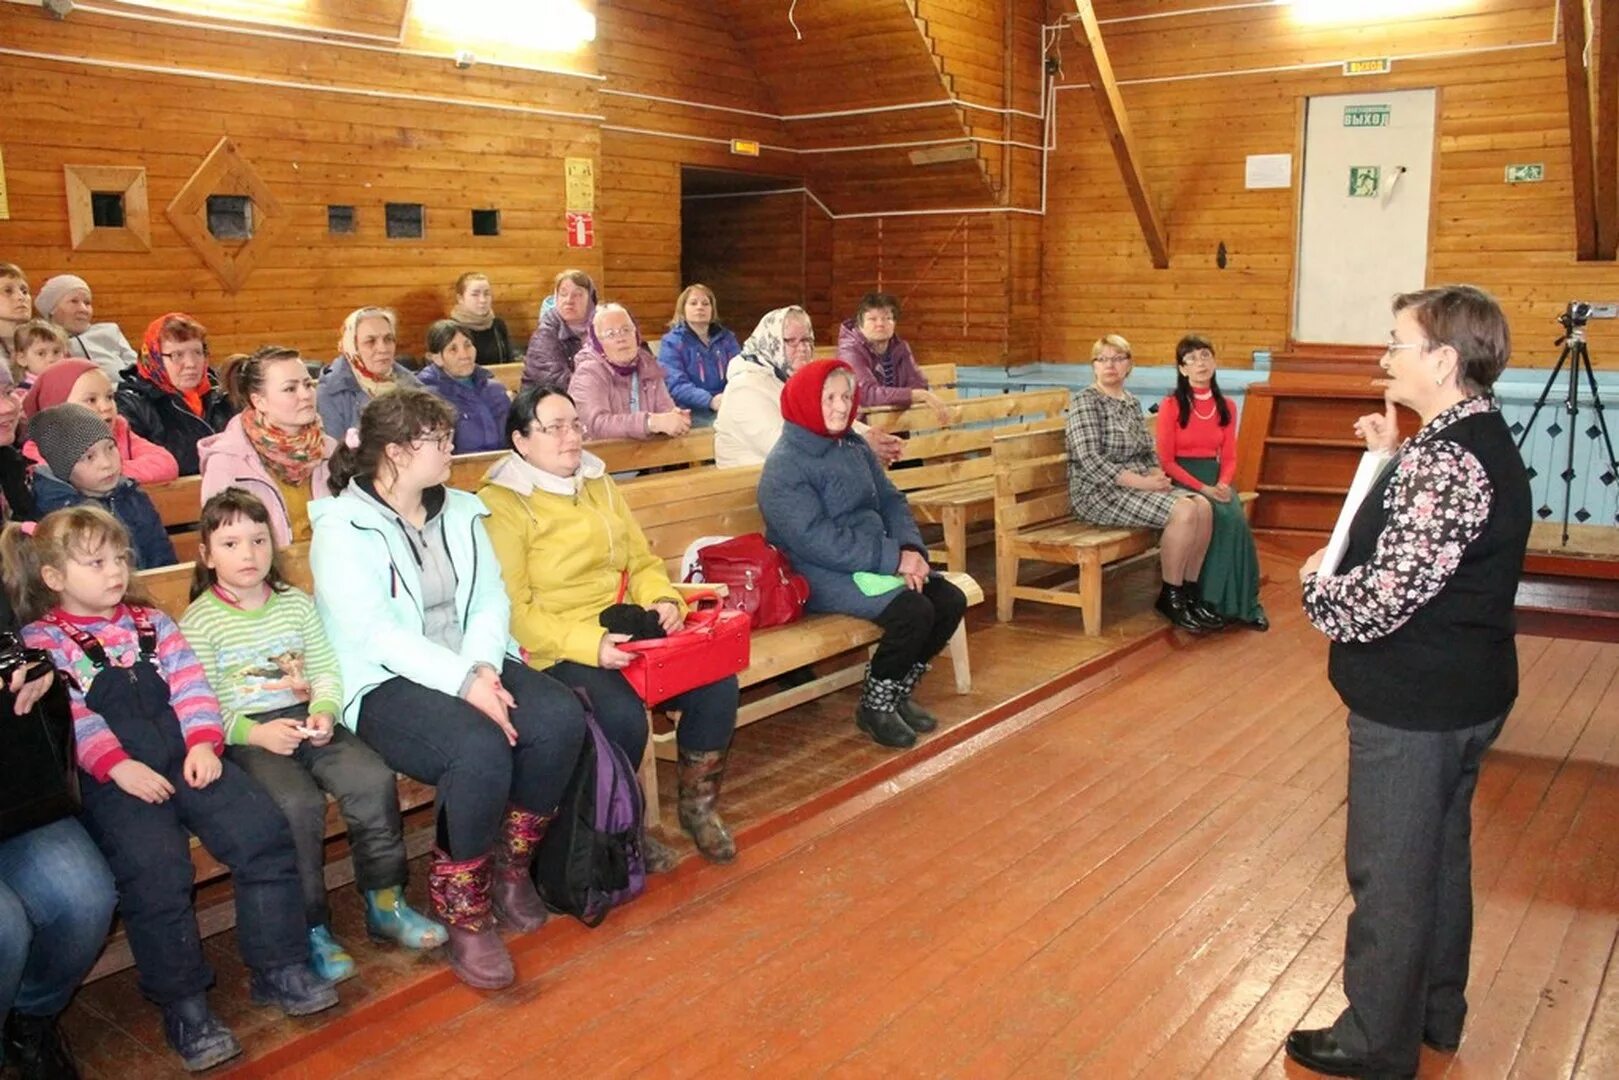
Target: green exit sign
x,y
1526,174
1364,116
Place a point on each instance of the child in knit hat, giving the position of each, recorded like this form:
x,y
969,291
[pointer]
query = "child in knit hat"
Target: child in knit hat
x,y
82,465
80,382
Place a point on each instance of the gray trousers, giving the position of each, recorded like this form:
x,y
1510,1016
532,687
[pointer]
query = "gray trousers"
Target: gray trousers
x,y
1409,857
367,796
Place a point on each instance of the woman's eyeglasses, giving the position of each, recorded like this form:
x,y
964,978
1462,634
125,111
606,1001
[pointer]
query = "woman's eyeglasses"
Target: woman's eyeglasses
x,y
561,427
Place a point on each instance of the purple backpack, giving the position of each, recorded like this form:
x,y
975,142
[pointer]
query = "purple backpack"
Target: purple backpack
x,y
591,859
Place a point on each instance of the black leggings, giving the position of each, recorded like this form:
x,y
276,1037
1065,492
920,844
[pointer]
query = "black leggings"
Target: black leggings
x,y
707,714
442,740
916,627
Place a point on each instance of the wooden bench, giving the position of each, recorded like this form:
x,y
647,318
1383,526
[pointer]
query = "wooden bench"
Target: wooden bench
x,y
1034,521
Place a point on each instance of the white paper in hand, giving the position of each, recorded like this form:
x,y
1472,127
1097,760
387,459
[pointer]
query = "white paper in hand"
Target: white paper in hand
x,y
1371,465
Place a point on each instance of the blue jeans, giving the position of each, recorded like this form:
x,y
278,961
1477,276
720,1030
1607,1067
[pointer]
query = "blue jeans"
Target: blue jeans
x,y
56,901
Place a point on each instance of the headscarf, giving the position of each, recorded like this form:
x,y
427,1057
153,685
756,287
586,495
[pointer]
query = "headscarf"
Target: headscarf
x,y
54,384
594,344
150,366
765,346
801,397
55,290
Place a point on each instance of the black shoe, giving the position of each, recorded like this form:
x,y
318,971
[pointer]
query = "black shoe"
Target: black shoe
x,y
1443,1046
1171,605
292,988
1200,609
35,1047
916,717
799,676
885,727
1259,622
1316,1048
196,1034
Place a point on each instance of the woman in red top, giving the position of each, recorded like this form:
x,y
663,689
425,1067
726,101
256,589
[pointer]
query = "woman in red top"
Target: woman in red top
x,y
1197,447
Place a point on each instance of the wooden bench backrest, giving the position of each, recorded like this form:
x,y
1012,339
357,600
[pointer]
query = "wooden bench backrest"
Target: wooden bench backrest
x,y
509,375
676,509
948,455
1031,477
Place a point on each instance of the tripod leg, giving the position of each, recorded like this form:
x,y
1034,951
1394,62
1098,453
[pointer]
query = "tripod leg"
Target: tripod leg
x,y
1545,392
1573,408
1583,358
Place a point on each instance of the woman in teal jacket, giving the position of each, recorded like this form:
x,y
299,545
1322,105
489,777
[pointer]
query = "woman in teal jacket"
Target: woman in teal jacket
x,y
412,600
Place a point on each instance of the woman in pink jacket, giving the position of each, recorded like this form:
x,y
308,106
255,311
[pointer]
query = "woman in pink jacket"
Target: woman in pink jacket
x,y
79,382
274,446
618,384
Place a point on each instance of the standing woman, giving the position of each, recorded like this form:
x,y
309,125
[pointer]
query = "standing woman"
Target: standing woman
x,y
411,597
171,396
1420,613
1114,479
364,369
564,324
275,447
479,399
1197,444
475,310
695,352
828,503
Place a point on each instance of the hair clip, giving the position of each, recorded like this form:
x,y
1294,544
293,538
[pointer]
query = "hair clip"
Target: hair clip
x,y
351,438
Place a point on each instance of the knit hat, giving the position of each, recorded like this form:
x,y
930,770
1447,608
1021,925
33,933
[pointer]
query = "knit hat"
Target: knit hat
x,y
55,290
65,433
801,397
53,387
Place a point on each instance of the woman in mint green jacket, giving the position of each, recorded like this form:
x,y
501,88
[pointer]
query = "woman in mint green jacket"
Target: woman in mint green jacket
x,y
412,599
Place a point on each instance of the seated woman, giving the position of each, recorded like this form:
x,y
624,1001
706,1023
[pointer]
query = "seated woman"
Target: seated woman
x,y
16,466
364,369
830,506
1114,479
79,382
475,310
65,300
695,352
1197,444
16,307
618,384
274,447
172,396
479,400
564,324
883,365
405,583
569,549
746,431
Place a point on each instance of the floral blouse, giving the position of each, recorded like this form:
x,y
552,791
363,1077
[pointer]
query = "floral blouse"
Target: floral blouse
x,y
1437,503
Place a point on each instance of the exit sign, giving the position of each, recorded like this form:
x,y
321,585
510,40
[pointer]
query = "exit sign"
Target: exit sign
x,y
745,147
1366,116
1374,66
1526,174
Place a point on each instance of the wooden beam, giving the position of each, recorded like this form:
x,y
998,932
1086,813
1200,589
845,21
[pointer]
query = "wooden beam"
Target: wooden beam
x,y
1606,154
1099,73
1582,165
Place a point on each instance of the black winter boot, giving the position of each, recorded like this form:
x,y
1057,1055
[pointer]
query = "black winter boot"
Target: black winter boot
x,y
293,988
877,715
36,1049
196,1034
915,716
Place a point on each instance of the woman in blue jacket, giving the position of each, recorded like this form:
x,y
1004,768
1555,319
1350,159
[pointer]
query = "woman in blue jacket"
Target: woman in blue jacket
x,y
479,399
412,599
828,503
695,353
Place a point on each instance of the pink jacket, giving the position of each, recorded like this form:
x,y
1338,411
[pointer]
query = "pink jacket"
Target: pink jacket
x,y
229,460
145,462
602,395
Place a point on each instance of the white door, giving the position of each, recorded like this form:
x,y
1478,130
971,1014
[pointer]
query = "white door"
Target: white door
x,y
1363,229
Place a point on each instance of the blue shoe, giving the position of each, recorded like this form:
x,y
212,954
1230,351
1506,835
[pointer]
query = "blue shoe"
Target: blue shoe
x,y
327,958
389,918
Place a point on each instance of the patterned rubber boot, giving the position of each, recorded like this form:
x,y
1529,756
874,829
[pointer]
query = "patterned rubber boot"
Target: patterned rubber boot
x,y
915,716
460,892
877,715
327,958
517,902
701,773
656,856
389,918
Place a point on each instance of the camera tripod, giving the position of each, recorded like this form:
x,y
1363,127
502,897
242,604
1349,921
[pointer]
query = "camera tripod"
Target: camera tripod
x,y
1577,355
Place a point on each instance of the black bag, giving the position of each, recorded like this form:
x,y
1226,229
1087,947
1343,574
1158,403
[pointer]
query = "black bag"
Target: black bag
x,y
42,779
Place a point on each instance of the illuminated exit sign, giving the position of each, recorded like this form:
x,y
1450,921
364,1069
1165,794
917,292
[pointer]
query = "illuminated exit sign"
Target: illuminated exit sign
x,y
1375,66
745,147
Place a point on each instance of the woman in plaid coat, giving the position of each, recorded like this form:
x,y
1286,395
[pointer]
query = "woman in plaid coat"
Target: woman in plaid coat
x,y
1114,479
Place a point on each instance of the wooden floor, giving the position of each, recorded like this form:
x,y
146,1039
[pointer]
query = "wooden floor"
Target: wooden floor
x,y
1145,882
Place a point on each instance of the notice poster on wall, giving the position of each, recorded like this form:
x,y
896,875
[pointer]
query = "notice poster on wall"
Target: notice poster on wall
x,y
1268,171
579,175
5,203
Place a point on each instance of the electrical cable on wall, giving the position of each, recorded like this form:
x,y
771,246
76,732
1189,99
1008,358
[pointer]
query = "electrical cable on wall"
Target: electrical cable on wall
x,y
792,22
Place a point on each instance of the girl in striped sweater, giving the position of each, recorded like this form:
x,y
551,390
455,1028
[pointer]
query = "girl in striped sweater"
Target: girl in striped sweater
x,y
149,736
263,647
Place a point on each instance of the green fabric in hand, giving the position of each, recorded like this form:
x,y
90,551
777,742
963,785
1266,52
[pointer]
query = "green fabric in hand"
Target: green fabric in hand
x,y
877,584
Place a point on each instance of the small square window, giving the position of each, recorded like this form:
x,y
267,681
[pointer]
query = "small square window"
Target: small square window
x,y
340,220
486,223
107,209
230,217
405,220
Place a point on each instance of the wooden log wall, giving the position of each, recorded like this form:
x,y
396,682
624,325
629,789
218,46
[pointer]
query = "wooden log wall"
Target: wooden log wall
x,y
759,252
1204,90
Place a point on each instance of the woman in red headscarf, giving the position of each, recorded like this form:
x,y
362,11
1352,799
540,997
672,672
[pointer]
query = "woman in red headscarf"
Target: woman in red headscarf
x,y
828,503
172,396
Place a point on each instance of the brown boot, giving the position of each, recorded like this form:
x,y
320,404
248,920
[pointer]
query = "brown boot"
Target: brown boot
x,y
517,903
658,857
700,773
460,892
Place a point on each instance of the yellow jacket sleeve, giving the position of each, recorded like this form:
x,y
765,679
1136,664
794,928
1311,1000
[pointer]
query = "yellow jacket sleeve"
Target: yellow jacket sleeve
x,y
546,636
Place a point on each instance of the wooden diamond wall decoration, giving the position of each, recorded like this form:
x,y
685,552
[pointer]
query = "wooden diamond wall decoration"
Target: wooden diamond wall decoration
x,y
226,172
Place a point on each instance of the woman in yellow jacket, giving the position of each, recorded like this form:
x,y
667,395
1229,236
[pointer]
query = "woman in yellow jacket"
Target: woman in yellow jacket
x,y
569,552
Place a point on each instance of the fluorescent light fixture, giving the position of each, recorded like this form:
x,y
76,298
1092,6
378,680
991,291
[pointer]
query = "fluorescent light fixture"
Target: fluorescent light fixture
x,y
558,25
1369,12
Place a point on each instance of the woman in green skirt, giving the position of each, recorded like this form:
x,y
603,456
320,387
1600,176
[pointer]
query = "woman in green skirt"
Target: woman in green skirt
x,y
1197,447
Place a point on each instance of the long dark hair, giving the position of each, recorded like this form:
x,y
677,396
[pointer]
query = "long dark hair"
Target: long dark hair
x,y
224,508
396,418
1187,345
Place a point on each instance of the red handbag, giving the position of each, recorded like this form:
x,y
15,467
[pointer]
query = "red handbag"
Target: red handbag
x,y
758,578
712,644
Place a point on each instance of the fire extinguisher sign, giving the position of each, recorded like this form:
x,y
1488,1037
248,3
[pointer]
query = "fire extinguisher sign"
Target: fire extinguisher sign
x,y
581,229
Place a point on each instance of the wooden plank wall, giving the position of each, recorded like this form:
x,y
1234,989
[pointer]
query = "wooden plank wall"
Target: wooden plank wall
x,y
1502,100
758,253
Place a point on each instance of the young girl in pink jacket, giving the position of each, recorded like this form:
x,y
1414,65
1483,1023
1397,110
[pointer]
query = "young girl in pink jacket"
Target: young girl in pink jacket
x,y
79,382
